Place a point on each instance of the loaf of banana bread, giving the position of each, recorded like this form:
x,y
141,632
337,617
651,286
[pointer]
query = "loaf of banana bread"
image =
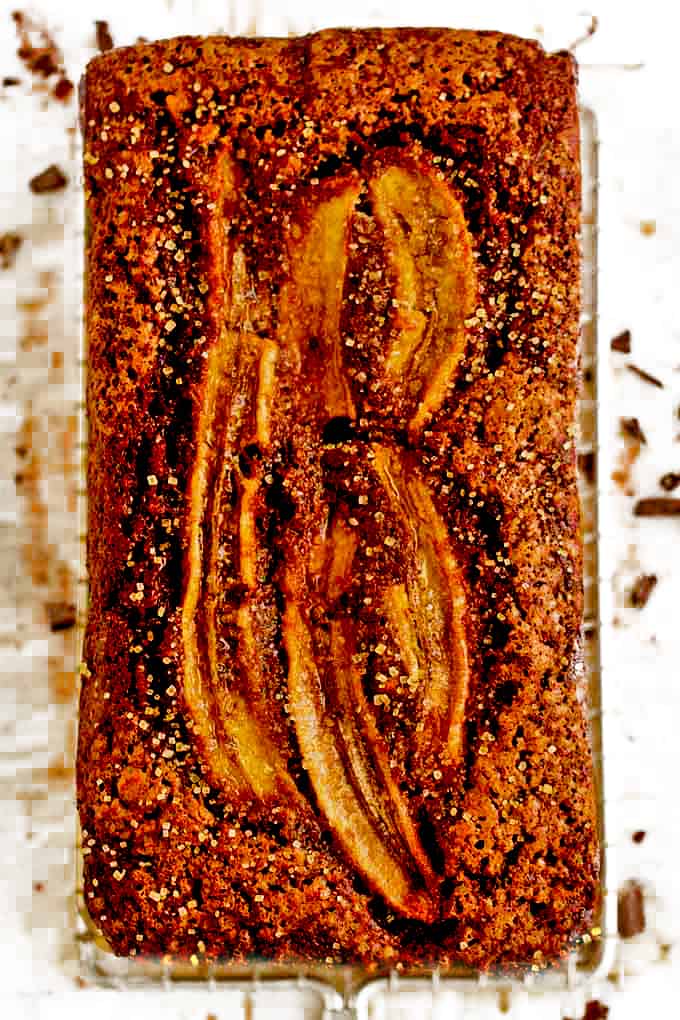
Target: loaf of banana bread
x,y
333,705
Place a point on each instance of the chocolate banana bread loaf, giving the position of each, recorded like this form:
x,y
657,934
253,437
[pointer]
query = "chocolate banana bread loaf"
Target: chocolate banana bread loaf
x,y
332,705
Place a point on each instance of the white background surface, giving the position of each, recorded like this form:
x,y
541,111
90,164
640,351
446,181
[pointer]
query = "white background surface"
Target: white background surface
x,y
638,290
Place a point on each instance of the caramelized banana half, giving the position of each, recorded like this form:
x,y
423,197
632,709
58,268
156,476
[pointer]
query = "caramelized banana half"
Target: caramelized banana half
x,y
430,252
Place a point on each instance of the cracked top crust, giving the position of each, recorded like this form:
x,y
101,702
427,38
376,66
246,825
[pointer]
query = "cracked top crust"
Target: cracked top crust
x,y
331,705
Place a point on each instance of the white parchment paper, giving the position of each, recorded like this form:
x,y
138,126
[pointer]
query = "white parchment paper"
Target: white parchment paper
x,y
39,527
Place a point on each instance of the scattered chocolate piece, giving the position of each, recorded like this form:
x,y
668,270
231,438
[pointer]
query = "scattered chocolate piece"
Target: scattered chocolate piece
x,y
631,427
621,342
631,910
586,464
657,506
37,49
670,480
648,227
61,615
104,37
51,179
10,81
39,62
641,590
595,1010
9,246
38,887
63,90
645,376
638,836
40,54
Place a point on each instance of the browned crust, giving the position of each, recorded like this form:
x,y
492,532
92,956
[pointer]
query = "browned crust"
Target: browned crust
x,y
174,864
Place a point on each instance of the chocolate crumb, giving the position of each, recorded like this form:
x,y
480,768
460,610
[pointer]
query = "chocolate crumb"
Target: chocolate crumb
x,y
9,246
641,590
670,480
41,63
631,428
586,464
37,50
63,90
61,615
38,887
621,342
657,506
594,1010
638,836
50,179
645,376
104,37
10,80
631,910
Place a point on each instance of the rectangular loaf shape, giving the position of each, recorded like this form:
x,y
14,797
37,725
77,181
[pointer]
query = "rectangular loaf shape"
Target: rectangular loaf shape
x,y
333,703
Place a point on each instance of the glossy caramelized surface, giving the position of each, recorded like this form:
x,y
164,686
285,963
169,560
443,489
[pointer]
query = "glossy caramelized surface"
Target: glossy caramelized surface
x,y
332,708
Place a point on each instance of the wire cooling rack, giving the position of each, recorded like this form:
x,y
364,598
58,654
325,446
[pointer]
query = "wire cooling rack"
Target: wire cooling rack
x,y
346,993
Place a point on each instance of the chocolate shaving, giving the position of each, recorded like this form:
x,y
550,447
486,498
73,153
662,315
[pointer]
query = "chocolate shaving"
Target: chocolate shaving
x,y
104,37
61,615
621,342
50,179
631,910
657,506
645,376
9,246
641,590
631,428
638,836
670,480
586,465
10,80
